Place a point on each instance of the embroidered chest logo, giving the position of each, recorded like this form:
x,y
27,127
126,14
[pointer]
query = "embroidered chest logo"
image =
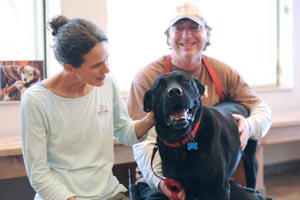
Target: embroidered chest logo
x,y
102,110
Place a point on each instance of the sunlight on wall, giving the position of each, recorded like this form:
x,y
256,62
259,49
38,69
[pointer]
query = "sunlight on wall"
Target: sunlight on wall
x,y
244,35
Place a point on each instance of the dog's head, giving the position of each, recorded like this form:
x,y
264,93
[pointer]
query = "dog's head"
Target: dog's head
x,y
28,74
175,99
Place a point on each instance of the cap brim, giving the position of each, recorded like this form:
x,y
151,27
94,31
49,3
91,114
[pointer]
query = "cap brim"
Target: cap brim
x,y
198,20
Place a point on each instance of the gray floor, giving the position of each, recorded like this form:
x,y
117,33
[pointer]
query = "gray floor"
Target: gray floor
x,y
283,185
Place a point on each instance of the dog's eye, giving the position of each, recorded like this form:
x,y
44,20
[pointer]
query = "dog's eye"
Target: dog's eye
x,y
159,88
186,82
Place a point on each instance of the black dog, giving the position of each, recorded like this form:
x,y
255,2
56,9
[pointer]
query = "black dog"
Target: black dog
x,y
199,145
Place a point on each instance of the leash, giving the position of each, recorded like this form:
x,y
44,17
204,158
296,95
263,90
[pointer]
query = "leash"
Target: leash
x,y
210,69
173,185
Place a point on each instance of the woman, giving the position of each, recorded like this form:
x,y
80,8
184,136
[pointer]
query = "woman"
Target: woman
x,y
68,120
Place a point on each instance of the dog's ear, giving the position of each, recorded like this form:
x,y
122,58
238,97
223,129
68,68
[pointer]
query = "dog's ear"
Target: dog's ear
x,y
36,72
148,101
199,85
20,69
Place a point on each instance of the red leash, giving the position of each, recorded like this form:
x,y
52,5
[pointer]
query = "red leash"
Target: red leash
x,y
171,184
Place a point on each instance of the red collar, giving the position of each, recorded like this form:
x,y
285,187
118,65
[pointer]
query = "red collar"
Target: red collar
x,y
185,140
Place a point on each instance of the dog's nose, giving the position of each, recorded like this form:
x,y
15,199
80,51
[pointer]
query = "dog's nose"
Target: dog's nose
x,y
175,91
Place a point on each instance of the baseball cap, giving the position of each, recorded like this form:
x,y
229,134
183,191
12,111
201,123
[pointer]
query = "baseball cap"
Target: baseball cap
x,y
187,9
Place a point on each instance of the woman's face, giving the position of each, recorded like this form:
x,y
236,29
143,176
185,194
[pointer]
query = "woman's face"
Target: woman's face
x,y
187,39
95,66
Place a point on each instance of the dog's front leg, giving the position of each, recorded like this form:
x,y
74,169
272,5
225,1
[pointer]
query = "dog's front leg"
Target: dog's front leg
x,y
225,194
227,190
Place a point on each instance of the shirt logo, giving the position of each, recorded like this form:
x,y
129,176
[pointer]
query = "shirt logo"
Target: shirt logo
x,y
102,110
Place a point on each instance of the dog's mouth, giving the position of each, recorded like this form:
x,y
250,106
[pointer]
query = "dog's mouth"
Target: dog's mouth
x,y
181,116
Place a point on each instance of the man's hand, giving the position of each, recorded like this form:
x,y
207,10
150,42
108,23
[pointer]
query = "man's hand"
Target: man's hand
x,y
243,130
163,188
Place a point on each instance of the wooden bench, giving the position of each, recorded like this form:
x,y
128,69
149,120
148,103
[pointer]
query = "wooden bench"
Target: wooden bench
x,y
11,159
285,128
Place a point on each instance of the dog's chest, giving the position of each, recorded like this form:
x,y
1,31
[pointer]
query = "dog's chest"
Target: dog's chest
x,y
189,164
195,170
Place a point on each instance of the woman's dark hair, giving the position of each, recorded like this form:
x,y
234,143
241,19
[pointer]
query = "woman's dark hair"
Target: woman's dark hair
x,y
73,38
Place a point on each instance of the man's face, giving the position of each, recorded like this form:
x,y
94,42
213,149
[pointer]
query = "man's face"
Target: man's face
x,y
187,39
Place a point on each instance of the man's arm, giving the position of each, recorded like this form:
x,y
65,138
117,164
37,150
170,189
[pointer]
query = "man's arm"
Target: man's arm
x,y
143,150
256,125
143,153
260,120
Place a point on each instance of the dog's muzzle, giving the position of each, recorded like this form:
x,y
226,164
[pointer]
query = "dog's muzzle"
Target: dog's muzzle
x,y
180,109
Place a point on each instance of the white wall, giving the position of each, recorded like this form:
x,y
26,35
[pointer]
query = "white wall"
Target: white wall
x,y
9,118
94,10
280,100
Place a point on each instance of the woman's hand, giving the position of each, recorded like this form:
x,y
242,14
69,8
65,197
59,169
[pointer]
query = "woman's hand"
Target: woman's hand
x,y
144,125
163,188
244,130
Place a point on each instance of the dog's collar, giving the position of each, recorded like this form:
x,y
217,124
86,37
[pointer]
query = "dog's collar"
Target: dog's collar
x,y
185,140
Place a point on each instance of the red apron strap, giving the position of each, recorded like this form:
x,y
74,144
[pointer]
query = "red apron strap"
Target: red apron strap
x,y
210,69
168,64
214,77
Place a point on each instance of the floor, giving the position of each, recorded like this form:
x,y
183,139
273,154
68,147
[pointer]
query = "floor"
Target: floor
x,y
284,184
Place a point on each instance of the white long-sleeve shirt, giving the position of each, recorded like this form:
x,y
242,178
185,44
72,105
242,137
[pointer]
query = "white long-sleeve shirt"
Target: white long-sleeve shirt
x,y
68,142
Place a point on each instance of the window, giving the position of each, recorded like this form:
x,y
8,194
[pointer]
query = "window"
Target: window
x,y
53,8
252,36
22,34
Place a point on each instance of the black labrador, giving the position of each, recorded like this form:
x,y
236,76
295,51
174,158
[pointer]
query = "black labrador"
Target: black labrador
x,y
199,145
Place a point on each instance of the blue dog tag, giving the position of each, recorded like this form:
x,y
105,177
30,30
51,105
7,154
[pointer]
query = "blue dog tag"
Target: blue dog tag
x,y
192,146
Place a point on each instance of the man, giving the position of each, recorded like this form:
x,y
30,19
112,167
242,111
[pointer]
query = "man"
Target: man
x,y
188,35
